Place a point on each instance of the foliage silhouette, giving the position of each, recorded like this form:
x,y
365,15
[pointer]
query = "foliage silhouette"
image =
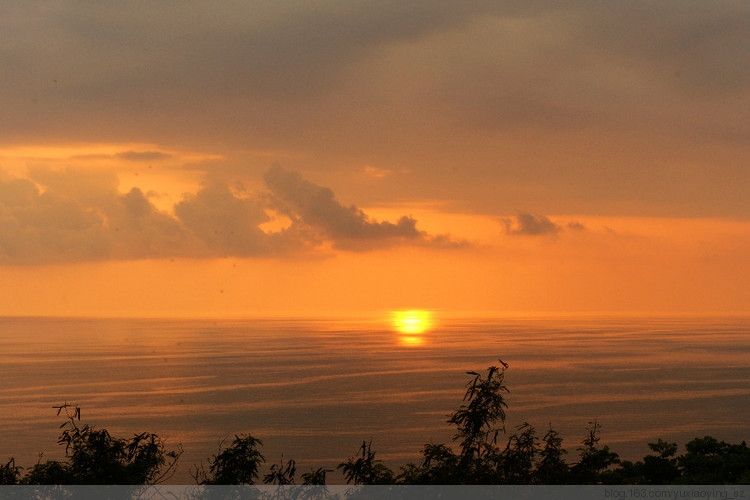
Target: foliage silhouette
x,y
281,474
364,469
238,464
709,461
661,468
315,477
593,460
551,467
518,459
9,473
93,456
479,421
475,421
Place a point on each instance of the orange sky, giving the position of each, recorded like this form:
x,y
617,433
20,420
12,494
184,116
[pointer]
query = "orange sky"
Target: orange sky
x,y
486,157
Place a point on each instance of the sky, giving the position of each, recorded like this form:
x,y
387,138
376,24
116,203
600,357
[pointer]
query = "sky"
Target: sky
x,y
331,157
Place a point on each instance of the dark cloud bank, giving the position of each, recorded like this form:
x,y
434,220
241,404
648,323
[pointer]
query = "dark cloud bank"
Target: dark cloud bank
x,y
638,106
77,217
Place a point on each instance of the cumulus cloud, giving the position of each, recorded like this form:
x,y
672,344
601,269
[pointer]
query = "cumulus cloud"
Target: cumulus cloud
x,y
137,229
46,227
223,221
528,224
348,227
71,215
90,187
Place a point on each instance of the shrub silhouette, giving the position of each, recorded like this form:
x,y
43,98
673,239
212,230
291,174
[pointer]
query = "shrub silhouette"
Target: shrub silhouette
x,y
9,473
281,474
593,460
364,469
479,421
93,456
238,464
518,459
475,421
551,467
315,477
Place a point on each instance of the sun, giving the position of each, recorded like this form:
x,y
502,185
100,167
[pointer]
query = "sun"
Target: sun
x,y
412,322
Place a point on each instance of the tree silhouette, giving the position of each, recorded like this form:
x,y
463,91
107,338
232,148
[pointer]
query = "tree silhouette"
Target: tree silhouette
x,y
709,461
551,468
518,459
281,474
94,456
315,477
593,460
475,421
237,464
9,473
364,469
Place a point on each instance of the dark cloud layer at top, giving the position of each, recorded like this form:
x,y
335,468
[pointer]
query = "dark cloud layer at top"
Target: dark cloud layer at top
x,y
289,50
81,216
639,104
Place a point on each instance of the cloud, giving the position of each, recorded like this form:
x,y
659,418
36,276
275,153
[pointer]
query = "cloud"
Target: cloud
x,y
89,187
223,221
143,155
642,93
138,230
80,216
376,172
527,224
58,216
348,227
38,228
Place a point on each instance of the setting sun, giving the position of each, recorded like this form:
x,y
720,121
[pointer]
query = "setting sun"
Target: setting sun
x,y
310,231
412,322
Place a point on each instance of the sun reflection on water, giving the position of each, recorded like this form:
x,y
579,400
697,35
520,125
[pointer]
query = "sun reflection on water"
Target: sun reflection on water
x,y
411,341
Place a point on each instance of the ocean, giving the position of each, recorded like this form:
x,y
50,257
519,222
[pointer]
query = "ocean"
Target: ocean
x,y
313,389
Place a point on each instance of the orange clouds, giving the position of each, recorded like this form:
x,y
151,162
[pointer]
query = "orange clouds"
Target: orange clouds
x,y
143,132
81,216
348,227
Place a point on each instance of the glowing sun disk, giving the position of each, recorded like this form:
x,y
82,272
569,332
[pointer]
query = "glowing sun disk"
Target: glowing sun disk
x,y
412,322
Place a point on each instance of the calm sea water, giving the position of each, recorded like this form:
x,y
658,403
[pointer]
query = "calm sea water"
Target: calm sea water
x,y
314,389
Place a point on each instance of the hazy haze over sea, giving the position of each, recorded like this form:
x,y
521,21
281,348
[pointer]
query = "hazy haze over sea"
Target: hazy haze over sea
x,y
314,389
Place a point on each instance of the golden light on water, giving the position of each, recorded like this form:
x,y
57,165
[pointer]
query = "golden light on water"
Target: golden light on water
x,y
412,322
411,341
